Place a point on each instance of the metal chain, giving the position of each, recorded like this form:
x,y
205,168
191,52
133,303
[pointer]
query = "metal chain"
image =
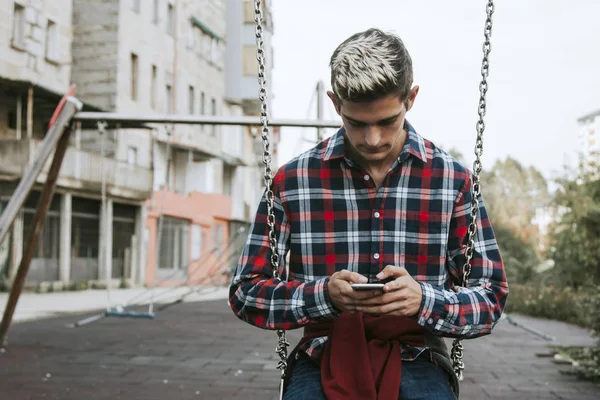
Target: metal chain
x,y
457,348
282,343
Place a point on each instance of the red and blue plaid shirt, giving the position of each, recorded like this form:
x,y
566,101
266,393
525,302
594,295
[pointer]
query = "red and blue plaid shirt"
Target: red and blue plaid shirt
x,y
330,216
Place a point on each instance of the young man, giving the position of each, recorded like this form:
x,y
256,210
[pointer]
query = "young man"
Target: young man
x,y
375,202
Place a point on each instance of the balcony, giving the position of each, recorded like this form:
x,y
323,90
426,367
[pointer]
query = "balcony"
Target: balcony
x,y
80,170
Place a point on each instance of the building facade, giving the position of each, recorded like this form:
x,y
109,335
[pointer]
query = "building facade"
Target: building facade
x,y
36,69
589,137
198,184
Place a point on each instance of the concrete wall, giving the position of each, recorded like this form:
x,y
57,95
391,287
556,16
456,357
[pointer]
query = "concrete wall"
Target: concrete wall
x,y
242,87
95,44
28,61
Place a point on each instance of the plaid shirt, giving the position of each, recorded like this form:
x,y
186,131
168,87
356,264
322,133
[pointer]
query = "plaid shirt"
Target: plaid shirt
x,y
330,216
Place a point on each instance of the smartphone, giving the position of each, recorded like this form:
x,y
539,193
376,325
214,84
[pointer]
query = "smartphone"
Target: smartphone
x,y
367,286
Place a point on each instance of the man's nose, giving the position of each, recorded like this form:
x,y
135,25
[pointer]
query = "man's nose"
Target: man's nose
x,y
373,136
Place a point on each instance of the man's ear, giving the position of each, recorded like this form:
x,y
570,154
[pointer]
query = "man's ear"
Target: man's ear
x,y
411,97
335,101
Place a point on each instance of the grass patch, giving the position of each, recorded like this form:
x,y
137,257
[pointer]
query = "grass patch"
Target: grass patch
x,y
586,361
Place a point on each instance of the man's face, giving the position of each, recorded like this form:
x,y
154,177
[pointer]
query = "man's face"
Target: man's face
x,y
374,130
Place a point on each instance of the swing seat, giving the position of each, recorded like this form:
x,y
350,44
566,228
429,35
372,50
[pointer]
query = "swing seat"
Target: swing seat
x,y
129,314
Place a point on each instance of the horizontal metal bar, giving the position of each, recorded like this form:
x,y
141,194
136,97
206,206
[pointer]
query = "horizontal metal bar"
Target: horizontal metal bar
x,y
199,119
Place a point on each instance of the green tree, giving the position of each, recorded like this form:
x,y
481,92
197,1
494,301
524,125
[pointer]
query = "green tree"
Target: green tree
x,y
513,192
575,237
520,258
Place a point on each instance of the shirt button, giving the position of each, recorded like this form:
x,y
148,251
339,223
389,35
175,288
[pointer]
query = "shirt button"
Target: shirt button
x,y
430,321
367,177
376,214
376,256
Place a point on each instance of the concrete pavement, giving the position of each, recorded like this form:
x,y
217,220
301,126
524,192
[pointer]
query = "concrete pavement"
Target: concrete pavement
x,y
199,350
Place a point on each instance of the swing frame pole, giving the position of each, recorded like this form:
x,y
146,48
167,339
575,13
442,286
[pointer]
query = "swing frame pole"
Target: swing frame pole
x,y
139,120
60,130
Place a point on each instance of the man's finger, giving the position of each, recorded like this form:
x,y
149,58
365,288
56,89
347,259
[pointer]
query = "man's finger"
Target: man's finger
x,y
352,277
392,271
364,295
396,284
386,298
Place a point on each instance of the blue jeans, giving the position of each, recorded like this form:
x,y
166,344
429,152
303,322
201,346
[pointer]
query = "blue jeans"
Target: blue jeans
x,y
420,380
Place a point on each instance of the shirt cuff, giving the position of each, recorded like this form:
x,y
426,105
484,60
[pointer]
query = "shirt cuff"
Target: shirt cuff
x,y
317,304
432,306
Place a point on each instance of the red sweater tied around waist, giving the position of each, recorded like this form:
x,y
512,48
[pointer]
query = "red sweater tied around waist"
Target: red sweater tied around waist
x,y
362,357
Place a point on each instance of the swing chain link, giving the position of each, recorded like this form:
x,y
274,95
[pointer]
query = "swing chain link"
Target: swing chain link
x,y
282,343
457,347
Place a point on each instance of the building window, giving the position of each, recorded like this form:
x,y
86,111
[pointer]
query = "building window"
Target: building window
x,y
132,155
214,51
13,120
191,36
18,28
228,172
191,100
249,61
52,41
136,6
202,106
134,76
44,266
170,19
213,111
218,239
156,11
196,242
169,99
153,87
174,244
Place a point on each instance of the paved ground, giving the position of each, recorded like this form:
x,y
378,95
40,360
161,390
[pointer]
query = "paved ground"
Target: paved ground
x,y
201,351
33,306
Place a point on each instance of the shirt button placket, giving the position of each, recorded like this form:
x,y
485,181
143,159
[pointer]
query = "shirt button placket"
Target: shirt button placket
x,y
376,236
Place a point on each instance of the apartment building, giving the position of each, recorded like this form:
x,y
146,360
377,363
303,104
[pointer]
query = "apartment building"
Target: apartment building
x,y
589,138
135,57
171,57
36,40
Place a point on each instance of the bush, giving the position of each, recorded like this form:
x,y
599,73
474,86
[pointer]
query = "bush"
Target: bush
x,y
588,362
576,306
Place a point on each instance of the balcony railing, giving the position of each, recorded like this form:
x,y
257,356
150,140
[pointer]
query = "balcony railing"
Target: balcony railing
x,y
81,170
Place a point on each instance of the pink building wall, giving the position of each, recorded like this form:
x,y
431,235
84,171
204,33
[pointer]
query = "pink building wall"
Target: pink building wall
x,y
205,210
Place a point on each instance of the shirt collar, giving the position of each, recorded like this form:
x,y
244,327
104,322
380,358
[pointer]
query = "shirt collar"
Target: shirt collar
x,y
414,145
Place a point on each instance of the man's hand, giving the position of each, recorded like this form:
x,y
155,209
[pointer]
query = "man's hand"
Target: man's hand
x,y
343,297
402,296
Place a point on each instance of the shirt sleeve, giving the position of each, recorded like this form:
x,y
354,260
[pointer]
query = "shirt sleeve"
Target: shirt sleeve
x,y
259,299
472,311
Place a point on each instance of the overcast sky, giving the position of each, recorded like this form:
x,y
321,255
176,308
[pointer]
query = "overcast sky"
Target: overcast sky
x,y
545,70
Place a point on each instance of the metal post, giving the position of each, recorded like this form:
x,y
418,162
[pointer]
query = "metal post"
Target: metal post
x,y
127,120
38,225
320,94
19,117
30,113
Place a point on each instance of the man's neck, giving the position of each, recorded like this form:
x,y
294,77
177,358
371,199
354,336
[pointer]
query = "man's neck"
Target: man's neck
x,y
380,168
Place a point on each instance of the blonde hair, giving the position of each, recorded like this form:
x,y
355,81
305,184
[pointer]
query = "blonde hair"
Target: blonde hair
x,y
369,65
